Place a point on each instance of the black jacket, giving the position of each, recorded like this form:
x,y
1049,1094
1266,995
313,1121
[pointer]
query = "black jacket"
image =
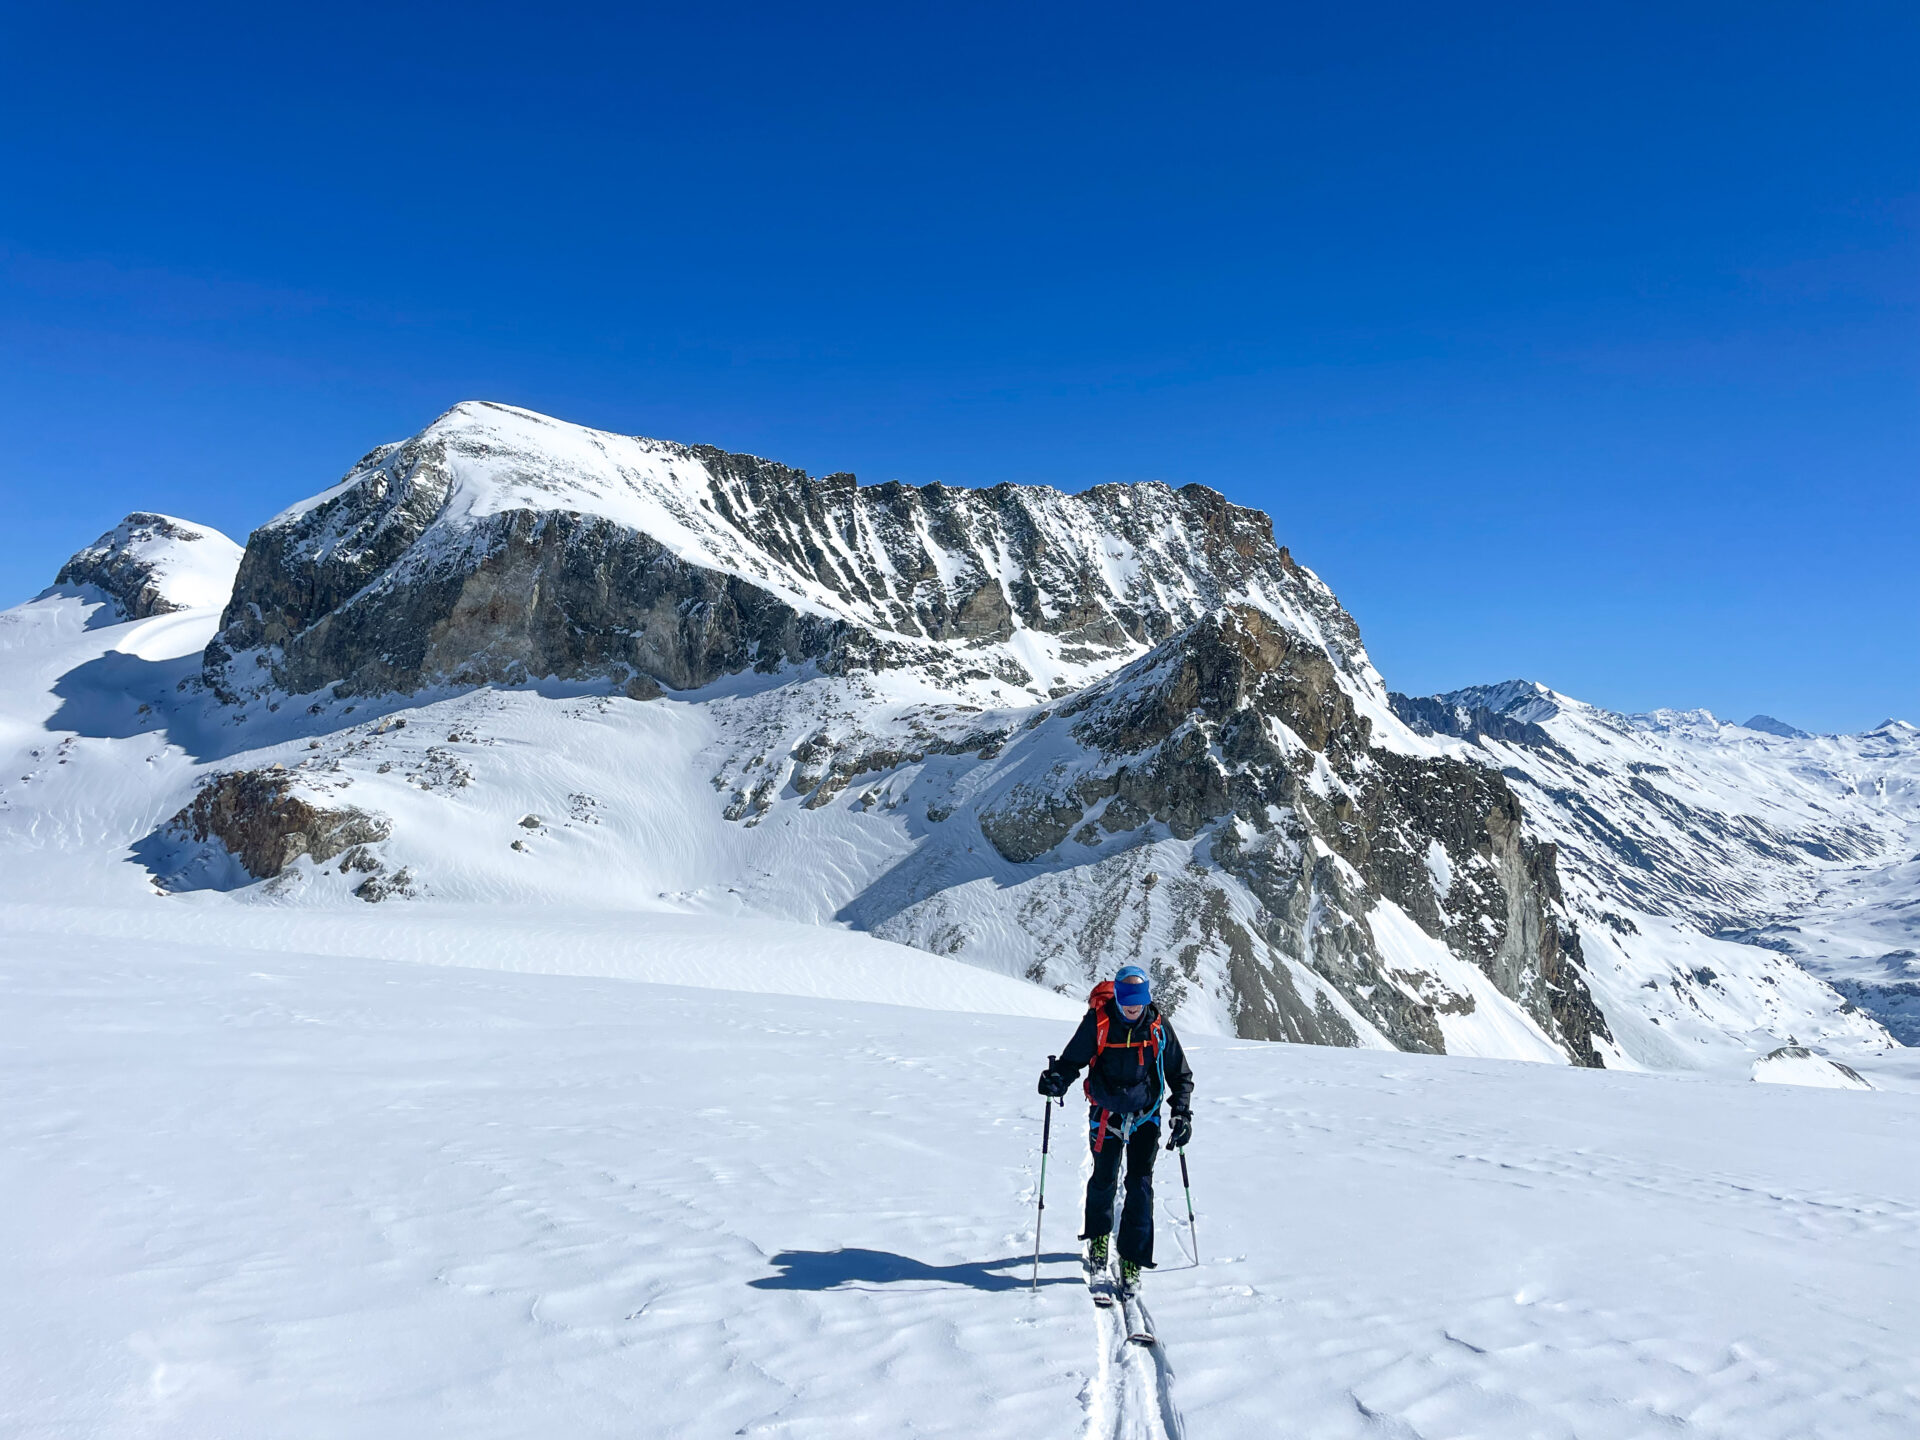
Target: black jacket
x,y
1125,1080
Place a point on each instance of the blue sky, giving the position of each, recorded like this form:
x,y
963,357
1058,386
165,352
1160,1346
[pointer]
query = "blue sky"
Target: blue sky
x,y
1575,343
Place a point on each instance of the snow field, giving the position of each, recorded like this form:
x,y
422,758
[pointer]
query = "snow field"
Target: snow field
x,y
260,1191
741,954
296,1195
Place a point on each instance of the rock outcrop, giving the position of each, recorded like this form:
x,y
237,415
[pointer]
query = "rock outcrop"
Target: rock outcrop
x,y
1797,1065
266,822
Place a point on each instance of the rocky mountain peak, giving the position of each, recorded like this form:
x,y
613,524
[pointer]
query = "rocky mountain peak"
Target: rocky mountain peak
x,y
500,545
1513,711
1265,859
152,564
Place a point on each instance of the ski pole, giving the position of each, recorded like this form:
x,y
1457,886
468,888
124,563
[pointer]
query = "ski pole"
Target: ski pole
x,y
1187,1185
1046,1139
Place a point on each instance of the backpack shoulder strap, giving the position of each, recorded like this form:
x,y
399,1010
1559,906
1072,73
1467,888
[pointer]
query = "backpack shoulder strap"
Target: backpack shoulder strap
x,y
1097,1002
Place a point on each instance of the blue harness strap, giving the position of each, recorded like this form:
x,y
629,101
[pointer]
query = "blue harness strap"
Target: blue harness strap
x,y
1122,1126
1101,1120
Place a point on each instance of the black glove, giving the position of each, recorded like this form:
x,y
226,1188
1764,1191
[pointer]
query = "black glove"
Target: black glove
x,y
1182,1130
1054,1083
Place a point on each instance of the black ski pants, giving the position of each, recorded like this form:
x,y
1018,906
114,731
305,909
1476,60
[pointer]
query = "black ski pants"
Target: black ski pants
x,y
1136,1217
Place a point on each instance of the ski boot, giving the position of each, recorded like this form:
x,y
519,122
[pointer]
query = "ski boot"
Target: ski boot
x,y
1096,1261
1129,1279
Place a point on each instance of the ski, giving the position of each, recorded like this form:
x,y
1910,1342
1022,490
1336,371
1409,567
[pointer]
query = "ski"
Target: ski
x,y
1134,1314
1100,1286
1139,1328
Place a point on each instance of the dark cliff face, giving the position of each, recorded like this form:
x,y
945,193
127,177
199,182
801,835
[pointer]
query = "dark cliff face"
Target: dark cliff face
x,y
1237,732
350,595
536,595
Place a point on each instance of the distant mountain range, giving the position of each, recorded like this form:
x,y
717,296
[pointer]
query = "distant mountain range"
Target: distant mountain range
x,y
511,660
1764,850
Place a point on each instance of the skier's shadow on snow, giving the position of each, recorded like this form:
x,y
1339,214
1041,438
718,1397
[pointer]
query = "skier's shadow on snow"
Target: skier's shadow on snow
x,y
883,1270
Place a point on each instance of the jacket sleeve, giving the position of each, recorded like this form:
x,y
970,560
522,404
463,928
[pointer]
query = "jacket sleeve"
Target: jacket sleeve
x,y
1179,1073
1079,1049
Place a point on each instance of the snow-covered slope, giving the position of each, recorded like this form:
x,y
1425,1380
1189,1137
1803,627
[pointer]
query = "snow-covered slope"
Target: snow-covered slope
x,y
253,1190
1725,876
577,803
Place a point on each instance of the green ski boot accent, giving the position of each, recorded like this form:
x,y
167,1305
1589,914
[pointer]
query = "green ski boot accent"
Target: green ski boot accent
x,y
1097,1253
1129,1277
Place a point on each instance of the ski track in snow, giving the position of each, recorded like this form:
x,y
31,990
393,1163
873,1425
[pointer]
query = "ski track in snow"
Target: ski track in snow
x,y
1133,1392
1131,1395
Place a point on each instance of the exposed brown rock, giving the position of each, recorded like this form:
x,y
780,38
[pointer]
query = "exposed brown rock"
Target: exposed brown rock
x,y
263,819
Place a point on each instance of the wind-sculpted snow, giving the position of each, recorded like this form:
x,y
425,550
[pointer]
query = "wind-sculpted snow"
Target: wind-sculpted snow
x,y
1712,866
259,1182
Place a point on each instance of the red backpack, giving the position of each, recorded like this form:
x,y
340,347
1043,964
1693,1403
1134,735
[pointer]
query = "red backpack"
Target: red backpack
x,y
1102,1021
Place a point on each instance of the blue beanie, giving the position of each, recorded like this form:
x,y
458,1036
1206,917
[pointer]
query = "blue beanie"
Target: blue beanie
x,y
1131,987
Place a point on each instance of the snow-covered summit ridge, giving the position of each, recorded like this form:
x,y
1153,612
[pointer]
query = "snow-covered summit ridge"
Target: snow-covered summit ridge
x,y
1531,701
151,565
538,526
